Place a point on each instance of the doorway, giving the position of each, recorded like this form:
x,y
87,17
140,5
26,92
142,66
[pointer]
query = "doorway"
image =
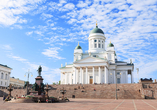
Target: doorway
x,y
91,79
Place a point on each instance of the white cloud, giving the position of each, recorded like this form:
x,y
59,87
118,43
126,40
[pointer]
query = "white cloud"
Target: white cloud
x,y
61,2
46,16
29,33
39,33
17,58
82,4
17,26
11,10
49,74
6,47
52,52
69,6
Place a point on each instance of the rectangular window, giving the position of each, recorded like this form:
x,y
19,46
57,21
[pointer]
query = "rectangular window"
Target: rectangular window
x,y
5,83
91,77
94,55
99,45
99,40
118,73
118,80
1,83
102,46
95,45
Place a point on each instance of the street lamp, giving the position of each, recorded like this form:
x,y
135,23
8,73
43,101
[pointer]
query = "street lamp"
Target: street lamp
x,y
27,73
138,73
116,86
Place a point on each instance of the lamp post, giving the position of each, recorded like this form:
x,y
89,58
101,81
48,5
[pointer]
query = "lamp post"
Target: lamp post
x,y
27,73
138,73
116,84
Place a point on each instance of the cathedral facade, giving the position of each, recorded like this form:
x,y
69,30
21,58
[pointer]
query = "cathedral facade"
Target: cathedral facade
x,y
97,66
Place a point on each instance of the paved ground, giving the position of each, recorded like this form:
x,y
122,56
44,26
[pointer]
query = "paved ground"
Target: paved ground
x,y
84,104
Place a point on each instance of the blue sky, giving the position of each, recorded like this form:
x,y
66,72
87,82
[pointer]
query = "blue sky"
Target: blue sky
x,y
45,32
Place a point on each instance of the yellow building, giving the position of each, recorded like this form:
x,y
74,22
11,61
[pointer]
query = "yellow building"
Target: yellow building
x,y
16,82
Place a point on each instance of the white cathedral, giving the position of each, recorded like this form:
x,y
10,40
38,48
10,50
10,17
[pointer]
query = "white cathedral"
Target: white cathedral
x,y
98,65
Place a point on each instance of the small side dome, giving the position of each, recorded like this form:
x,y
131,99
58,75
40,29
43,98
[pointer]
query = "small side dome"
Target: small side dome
x,y
78,47
96,30
110,45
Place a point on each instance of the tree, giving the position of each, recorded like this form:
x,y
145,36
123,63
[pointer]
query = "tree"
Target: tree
x,y
54,83
59,82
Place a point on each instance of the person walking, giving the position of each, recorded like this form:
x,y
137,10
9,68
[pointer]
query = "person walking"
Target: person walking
x,y
3,97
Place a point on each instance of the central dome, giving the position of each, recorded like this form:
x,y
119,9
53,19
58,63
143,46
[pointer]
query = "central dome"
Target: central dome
x,y
96,30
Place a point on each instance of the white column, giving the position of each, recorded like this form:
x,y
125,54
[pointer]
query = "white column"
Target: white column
x,y
93,76
132,77
86,80
99,74
121,77
70,78
74,77
65,78
80,75
114,77
97,43
61,77
126,77
106,76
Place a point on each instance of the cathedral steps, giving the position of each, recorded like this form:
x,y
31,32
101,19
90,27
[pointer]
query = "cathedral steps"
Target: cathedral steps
x,y
104,91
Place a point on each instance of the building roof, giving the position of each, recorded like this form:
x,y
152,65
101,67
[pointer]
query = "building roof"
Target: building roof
x,y
5,66
96,30
110,45
78,46
120,62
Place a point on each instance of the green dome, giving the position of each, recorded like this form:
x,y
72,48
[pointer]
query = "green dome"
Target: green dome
x,y
78,47
110,45
96,30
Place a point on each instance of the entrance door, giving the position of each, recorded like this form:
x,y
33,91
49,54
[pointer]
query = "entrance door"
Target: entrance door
x,y
91,79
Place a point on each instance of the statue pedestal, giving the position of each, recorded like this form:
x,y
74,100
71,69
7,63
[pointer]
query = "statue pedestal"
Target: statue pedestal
x,y
39,80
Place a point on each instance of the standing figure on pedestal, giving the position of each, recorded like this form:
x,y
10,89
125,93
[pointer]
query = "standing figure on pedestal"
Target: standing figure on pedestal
x,y
39,70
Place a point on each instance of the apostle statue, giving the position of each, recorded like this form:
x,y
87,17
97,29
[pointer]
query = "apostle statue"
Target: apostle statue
x,y
39,70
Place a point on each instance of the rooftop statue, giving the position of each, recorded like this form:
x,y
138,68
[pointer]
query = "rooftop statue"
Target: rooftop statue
x,y
39,70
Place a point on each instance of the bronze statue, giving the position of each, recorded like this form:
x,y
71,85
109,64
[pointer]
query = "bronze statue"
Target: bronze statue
x,y
39,70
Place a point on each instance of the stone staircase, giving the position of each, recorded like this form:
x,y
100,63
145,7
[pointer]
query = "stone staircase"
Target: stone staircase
x,y
104,91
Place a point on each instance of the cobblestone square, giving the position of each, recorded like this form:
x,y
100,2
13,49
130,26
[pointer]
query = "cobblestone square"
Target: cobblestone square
x,y
84,104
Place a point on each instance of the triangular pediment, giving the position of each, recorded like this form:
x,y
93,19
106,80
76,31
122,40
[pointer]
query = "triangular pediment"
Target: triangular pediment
x,y
90,60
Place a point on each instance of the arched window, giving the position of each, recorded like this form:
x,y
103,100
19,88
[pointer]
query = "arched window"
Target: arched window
x,y
6,76
1,75
95,45
99,45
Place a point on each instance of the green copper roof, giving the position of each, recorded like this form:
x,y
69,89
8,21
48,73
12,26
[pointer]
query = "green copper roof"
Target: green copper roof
x,y
96,30
78,47
110,45
5,66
